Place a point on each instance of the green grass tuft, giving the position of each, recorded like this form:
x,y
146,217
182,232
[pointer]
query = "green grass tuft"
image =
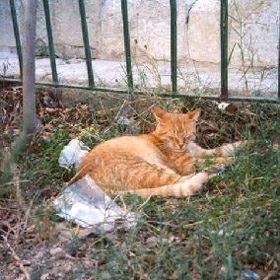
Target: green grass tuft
x,y
233,225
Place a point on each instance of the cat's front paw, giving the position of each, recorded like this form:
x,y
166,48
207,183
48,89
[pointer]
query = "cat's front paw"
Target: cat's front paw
x,y
228,150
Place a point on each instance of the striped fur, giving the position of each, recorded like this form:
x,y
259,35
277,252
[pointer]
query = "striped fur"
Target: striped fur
x,y
161,163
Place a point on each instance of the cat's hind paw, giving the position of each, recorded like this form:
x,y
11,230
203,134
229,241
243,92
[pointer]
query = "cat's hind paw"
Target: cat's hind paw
x,y
216,169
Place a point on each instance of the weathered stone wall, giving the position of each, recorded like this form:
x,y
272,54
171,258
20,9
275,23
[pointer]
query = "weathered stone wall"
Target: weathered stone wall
x,y
253,30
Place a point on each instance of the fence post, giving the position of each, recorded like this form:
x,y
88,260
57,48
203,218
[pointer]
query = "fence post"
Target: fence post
x,y
278,53
224,48
50,39
173,44
86,43
127,45
17,36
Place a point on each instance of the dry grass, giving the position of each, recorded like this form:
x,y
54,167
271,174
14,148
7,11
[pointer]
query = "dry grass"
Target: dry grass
x,y
231,226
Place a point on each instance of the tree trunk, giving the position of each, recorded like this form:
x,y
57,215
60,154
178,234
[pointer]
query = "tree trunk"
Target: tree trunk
x,y
29,102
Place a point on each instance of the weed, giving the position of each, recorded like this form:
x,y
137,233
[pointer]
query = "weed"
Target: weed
x,y
233,225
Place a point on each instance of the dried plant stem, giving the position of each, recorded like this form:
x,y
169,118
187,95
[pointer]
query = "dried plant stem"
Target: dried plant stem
x,y
16,257
19,196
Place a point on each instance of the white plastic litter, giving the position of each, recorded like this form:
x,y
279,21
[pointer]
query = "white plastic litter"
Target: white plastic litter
x,y
250,275
87,205
223,106
72,154
122,120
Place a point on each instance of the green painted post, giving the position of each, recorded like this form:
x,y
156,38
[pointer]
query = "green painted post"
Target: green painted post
x,y
173,44
86,43
127,45
279,57
16,33
50,39
224,48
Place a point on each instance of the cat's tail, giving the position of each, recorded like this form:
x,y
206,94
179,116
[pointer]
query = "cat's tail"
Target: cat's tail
x,y
77,176
187,186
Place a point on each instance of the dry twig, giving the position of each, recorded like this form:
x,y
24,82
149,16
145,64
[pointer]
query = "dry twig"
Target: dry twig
x,y
16,257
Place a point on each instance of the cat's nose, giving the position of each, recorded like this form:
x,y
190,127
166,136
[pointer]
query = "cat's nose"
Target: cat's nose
x,y
181,145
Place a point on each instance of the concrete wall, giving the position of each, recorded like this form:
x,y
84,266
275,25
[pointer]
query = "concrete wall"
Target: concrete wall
x,y
253,30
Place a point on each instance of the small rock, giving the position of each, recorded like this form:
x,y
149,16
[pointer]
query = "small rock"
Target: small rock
x,y
223,269
55,251
169,240
44,276
153,240
65,237
67,267
26,262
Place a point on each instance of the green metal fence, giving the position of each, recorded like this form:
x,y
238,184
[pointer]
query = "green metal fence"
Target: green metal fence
x,y
129,75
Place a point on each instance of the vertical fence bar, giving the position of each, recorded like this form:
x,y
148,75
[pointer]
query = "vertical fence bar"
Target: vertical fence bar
x,y
127,45
224,48
279,52
173,44
16,33
86,43
50,39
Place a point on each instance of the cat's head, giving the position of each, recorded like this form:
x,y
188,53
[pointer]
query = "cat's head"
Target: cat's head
x,y
176,130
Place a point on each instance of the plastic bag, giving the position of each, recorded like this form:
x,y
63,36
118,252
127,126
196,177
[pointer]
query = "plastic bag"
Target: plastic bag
x,y
87,205
72,154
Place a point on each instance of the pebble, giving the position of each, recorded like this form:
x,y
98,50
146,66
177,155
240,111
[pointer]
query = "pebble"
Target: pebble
x,y
55,251
44,276
26,262
153,240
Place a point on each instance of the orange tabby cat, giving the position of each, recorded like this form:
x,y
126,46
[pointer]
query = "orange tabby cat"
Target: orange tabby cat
x,y
160,163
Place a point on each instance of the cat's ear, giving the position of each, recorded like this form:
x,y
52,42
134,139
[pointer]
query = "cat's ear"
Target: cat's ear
x,y
194,115
158,113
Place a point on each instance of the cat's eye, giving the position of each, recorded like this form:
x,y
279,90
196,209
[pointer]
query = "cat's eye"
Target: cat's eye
x,y
169,135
